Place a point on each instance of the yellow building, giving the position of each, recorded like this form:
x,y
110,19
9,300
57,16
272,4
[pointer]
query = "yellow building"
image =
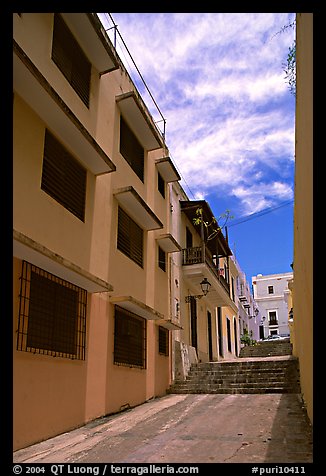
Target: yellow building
x,y
210,324
302,288
91,298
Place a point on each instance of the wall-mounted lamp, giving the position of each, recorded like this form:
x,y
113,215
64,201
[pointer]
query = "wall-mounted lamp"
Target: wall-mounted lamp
x,y
205,286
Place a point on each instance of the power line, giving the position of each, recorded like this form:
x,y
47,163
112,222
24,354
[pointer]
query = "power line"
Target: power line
x,y
252,216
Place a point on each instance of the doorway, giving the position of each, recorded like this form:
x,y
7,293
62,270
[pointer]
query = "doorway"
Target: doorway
x,y
220,332
236,338
210,339
193,321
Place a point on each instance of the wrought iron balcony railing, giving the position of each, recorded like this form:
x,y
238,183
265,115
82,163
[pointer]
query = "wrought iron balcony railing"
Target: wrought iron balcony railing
x,y
201,254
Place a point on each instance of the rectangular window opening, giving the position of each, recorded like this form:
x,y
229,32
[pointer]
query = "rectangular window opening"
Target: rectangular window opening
x,y
131,149
161,259
129,339
70,59
52,315
163,341
161,184
63,177
130,238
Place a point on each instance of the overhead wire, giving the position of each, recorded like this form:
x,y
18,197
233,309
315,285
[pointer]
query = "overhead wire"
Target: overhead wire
x,y
263,212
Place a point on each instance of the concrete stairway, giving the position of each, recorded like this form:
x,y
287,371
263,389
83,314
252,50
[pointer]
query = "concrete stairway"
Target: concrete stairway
x,y
259,374
267,348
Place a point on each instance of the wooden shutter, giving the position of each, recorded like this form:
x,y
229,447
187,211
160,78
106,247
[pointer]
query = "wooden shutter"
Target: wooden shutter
x,y
130,237
70,59
131,149
63,177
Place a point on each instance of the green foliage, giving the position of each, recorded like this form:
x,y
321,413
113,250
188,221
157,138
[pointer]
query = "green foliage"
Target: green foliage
x,y
247,339
212,227
290,68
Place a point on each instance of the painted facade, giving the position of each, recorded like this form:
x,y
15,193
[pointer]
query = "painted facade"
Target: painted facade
x,y
210,329
270,295
302,288
107,259
90,226
249,316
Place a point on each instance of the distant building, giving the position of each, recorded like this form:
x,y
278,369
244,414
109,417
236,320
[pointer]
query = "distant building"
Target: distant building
x,y
270,293
249,317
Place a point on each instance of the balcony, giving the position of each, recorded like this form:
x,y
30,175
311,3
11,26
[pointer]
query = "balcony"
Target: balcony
x,y
198,263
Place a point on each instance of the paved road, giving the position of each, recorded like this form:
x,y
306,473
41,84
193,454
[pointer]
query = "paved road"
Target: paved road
x,y
270,428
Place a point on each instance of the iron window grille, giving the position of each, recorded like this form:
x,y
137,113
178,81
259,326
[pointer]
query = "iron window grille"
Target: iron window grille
x,y
63,177
131,149
52,315
163,341
130,237
70,59
129,339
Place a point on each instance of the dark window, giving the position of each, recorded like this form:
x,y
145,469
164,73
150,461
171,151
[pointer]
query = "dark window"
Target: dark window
x,y
270,289
228,329
163,341
63,177
188,238
232,288
161,259
130,237
129,339
161,184
70,59
52,315
272,316
131,149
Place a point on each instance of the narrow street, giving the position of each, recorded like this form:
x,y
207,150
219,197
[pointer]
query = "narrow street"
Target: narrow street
x,y
202,428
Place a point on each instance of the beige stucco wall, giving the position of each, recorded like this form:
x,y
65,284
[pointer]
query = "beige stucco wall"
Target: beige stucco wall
x,y
303,208
33,32
49,393
53,395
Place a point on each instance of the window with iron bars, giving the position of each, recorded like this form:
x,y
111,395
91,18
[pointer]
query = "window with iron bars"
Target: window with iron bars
x,y
129,339
52,315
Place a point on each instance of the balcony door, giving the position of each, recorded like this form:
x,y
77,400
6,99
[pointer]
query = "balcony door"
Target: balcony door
x,y
210,339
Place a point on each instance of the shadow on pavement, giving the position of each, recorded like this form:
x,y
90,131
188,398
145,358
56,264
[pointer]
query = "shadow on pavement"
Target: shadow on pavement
x,y
291,433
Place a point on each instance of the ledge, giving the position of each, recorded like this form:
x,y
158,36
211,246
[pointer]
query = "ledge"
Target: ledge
x,y
29,250
137,208
168,243
167,170
137,307
135,114
37,92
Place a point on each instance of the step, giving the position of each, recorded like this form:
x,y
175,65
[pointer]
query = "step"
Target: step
x,y
252,375
229,390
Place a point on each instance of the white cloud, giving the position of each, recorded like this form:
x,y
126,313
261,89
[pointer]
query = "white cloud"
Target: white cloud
x,y
219,81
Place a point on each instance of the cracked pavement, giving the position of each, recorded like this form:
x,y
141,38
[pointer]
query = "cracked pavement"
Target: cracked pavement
x,y
215,428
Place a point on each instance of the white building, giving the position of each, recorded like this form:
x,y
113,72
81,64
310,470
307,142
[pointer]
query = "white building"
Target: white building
x,y
249,317
270,293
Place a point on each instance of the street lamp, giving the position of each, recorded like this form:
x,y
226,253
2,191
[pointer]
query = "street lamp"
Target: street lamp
x,y
205,286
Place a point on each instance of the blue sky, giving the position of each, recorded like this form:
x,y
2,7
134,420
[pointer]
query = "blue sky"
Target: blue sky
x,y
218,80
